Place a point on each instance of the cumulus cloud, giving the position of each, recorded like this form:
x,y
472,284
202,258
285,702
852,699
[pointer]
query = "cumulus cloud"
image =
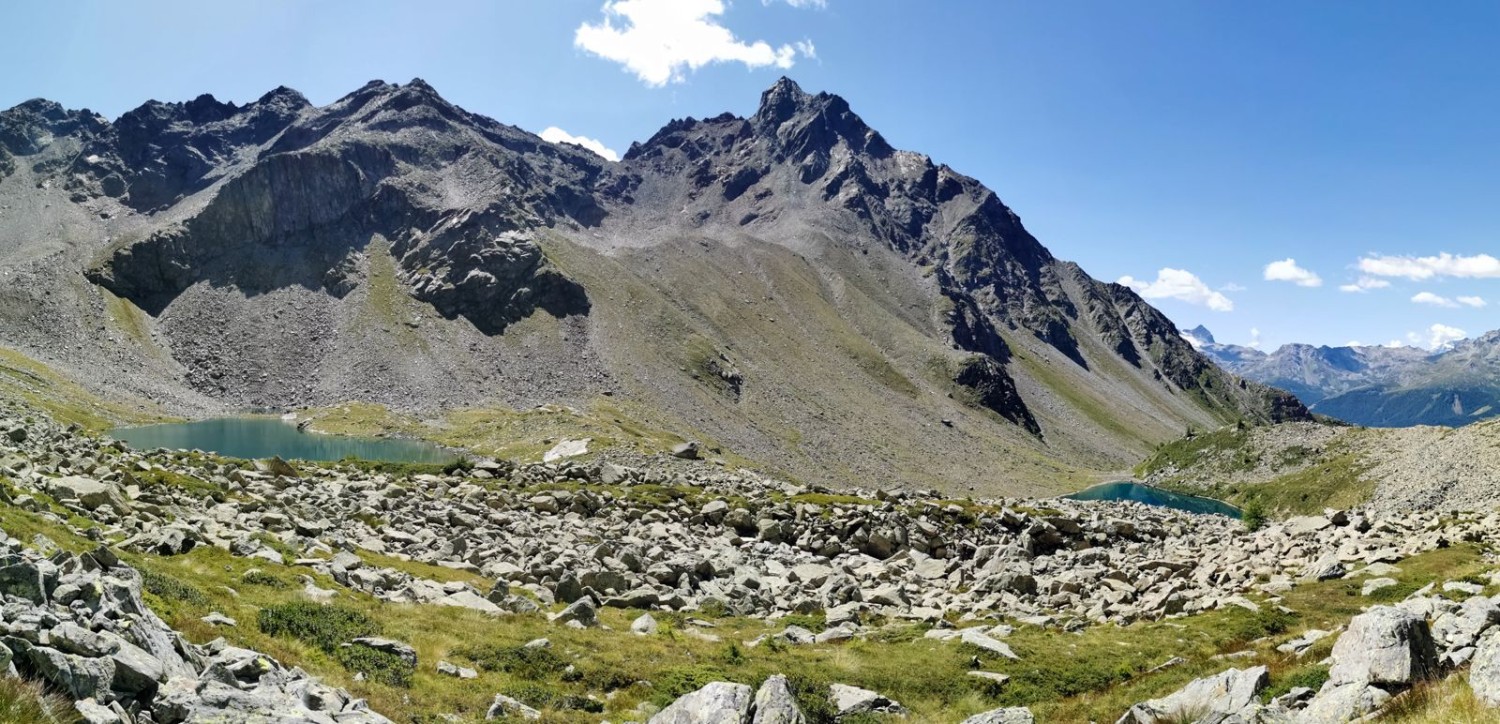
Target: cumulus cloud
x,y
1232,287
1365,284
1437,336
1180,285
1254,342
553,134
1475,302
1433,299
1287,270
660,41
819,4
1418,268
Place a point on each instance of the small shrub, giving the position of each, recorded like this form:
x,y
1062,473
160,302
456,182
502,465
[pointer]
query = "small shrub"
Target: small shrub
x,y
379,666
607,678
676,682
535,664
814,623
257,577
812,696
171,589
462,465
1253,515
1311,677
325,627
26,701
542,697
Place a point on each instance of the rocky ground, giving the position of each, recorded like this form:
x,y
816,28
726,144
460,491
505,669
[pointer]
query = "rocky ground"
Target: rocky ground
x,y
1416,468
566,542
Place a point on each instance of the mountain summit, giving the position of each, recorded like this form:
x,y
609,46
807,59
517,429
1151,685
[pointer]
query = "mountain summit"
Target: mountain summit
x,y
786,284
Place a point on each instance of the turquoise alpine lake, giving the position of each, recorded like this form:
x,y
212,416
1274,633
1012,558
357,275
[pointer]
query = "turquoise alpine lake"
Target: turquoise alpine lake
x,y
264,437
1125,490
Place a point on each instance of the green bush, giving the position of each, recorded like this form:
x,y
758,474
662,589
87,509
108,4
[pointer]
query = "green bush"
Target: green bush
x,y
171,589
1311,677
462,465
812,697
1253,515
325,627
676,682
257,577
535,664
541,697
379,666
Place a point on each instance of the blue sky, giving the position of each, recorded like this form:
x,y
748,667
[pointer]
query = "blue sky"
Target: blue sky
x,y
1188,147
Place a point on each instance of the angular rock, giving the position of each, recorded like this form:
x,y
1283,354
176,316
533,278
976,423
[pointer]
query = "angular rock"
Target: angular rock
x,y
1225,694
1012,715
850,700
1385,646
716,703
775,704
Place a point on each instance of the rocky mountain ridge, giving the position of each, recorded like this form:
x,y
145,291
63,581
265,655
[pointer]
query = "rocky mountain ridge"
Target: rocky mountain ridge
x,y
786,283
1377,386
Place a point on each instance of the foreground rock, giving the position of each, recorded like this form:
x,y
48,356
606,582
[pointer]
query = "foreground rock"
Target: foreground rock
x,y
726,703
1384,652
1233,693
78,623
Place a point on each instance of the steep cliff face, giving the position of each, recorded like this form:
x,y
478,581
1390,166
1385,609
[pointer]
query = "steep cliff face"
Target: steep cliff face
x,y
786,282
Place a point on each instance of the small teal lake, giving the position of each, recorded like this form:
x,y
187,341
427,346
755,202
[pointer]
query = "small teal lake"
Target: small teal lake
x,y
1137,493
264,437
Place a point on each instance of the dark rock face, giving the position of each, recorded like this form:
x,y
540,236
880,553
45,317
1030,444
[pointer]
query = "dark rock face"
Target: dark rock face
x,y
995,390
324,182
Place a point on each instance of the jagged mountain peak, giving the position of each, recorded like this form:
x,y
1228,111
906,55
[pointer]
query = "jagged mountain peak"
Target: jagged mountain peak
x,y
1201,334
899,276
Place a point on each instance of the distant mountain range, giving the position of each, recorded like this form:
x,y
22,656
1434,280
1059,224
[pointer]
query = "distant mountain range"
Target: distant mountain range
x,y
1375,386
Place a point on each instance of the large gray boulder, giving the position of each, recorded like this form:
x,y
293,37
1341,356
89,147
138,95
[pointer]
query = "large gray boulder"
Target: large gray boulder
x,y
850,700
1010,715
82,677
1384,651
88,491
1341,703
1484,674
718,703
1204,700
1385,646
504,707
1463,627
774,703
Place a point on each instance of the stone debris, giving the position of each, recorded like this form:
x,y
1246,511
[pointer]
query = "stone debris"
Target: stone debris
x,y
555,544
78,623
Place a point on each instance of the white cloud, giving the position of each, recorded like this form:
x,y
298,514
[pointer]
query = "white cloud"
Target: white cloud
x,y
1232,287
1365,284
1433,299
1417,268
1475,302
1442,335
819,4
1181,285
553,134
1287,270
660,41
1254,338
